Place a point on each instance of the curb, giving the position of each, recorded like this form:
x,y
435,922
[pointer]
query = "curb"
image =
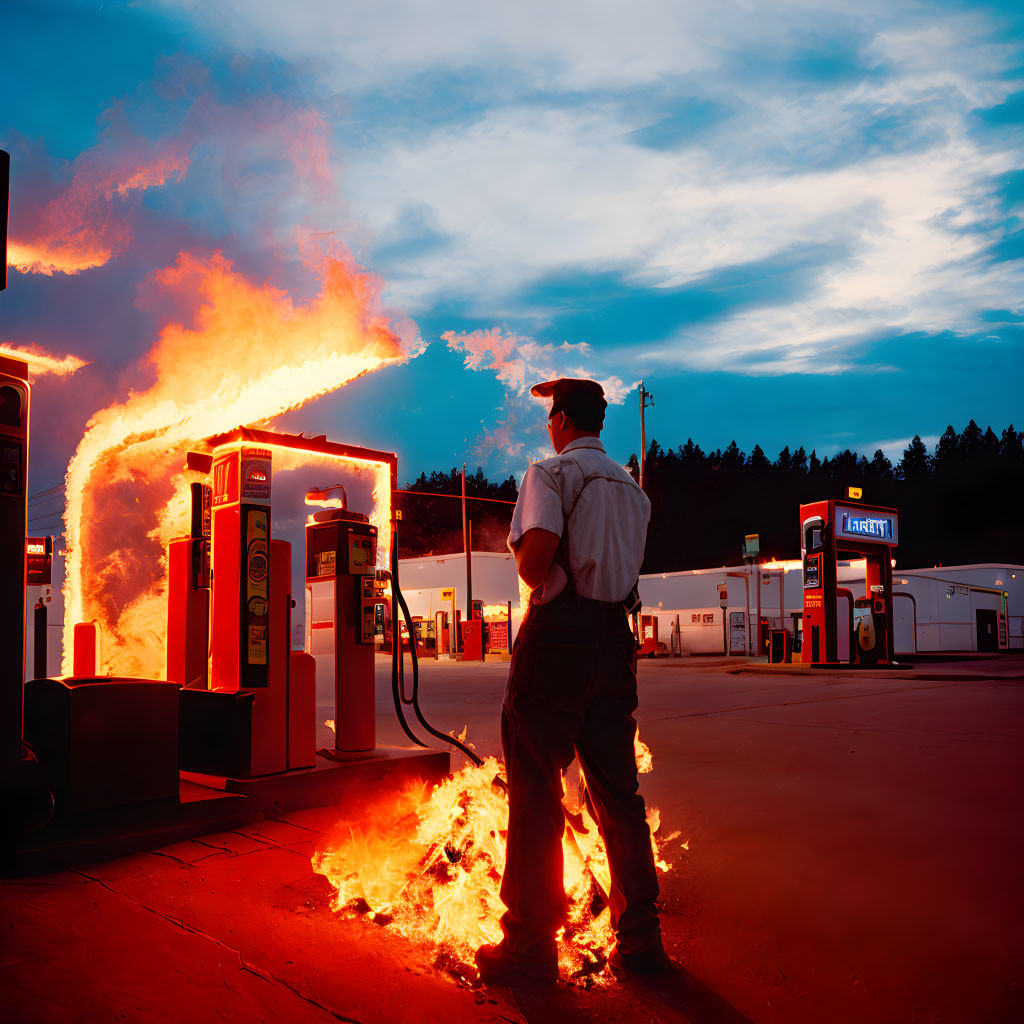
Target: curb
x,y
933,677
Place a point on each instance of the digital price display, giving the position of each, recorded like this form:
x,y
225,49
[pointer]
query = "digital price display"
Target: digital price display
x,y
861,524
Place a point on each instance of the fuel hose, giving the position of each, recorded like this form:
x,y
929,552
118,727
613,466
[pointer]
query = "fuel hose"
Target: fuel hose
x,y
398,664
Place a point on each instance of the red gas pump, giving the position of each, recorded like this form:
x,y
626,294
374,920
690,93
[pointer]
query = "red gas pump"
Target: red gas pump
x,y
342,594
14,416
188,597
833,530
239,726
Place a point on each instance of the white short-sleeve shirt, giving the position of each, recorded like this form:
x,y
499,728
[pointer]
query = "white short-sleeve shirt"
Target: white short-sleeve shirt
x,y
608,515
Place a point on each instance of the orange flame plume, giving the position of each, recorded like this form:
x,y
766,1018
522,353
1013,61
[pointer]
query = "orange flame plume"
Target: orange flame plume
x,y
40,362
430,868
253,354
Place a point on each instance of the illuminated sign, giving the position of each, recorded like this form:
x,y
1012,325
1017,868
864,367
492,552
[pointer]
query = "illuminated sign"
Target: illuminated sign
x,y
39,561
860,524
256,474
868,526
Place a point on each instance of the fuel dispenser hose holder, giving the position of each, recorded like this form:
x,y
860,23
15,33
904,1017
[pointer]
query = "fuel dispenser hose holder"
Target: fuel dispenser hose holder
x,y
398,664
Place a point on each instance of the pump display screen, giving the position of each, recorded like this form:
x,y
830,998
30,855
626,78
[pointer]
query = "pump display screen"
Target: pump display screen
x,y
362,554
862,524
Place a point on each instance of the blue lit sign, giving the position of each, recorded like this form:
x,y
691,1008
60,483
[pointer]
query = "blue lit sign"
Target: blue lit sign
x,y
868,526
861,524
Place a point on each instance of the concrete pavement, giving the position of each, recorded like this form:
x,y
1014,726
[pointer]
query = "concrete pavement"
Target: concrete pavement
x,y
854,853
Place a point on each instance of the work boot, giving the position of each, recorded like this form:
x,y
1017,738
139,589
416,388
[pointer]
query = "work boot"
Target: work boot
x,y
643,961
501,966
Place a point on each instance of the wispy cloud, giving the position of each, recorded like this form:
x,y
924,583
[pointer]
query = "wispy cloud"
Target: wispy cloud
x,y
518,363
842,126
522,362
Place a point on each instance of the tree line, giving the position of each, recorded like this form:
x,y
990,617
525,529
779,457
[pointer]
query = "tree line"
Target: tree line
x,y
959,503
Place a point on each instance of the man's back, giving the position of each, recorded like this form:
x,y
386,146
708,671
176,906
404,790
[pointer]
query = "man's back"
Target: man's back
x,y
607,516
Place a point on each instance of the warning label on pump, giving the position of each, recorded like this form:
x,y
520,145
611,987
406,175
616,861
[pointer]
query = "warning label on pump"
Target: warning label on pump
x,y
257,645
812,572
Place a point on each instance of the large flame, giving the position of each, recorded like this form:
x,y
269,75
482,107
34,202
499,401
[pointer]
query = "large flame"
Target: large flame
x,y
252,354
40,362
430,867
82,228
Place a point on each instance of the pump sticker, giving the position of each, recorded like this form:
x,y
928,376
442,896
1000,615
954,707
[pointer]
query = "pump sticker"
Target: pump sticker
x,y
812,572
257,572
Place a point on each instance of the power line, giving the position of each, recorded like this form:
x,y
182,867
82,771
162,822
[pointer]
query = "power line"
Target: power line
x,y
51,490
457,497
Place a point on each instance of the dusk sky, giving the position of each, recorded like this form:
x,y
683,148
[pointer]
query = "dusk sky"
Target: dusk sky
x,y
797,223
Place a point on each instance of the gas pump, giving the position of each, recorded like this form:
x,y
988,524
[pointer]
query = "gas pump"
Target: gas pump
x,y
342,595
188,596
248,718
830,531
39,582
14,418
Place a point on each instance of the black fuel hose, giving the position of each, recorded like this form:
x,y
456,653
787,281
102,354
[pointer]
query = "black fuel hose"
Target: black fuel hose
x,y
396,648
398,663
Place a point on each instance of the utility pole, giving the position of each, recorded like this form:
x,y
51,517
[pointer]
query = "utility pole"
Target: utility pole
x,y
646,398
5,189
467,543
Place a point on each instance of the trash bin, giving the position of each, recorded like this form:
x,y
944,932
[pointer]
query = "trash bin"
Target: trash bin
x,y
779,650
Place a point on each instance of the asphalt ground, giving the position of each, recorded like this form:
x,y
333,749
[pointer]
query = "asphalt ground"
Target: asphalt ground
x,y
855,844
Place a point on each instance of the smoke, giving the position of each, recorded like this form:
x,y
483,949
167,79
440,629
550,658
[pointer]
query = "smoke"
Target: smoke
x,y
85,226
251,167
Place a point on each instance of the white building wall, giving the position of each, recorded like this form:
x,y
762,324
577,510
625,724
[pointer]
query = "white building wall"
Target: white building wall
x,y
700,629
943,609
943,623
495,582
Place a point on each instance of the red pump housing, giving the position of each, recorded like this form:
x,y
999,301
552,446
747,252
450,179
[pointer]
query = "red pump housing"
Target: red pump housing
x,y
835,530
14,410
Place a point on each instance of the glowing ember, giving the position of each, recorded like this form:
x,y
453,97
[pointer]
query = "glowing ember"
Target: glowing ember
x,y
253,354
40,362
430,867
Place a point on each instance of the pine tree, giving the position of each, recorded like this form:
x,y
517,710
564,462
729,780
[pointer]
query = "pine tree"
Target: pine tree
x,y
947,449
758,461
915,464
880,467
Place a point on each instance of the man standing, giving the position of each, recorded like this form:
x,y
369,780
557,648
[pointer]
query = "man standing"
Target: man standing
x,y
578,535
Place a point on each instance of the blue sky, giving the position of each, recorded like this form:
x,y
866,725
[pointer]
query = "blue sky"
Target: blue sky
x,y
799,224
